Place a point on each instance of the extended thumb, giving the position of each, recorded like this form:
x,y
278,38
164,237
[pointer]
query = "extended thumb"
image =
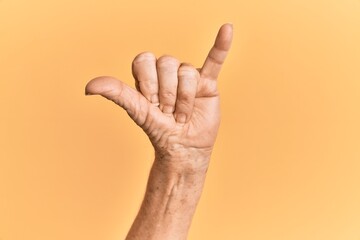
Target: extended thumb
x,y
118,92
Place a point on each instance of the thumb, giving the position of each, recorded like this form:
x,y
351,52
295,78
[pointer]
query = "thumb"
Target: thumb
x,y
121,94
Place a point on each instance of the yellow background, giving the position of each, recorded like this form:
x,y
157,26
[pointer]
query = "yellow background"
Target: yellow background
x,y
287,160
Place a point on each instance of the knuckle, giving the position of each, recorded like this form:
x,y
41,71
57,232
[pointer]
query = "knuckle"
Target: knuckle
x,y
167,60
144,57
188,71
168,95
185,97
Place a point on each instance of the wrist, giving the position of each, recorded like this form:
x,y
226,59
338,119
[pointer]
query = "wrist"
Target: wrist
x,y
189,161
171,198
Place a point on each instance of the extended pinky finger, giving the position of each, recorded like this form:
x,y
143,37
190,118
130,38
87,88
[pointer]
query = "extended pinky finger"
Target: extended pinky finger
x,y
188,78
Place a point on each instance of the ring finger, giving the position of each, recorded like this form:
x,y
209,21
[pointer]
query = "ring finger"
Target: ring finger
x,y
167,69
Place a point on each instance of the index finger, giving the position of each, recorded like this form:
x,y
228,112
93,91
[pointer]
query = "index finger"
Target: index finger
x,y
218,52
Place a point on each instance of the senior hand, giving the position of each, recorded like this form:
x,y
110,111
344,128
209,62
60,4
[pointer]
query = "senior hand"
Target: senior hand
x,y
178,108
175,104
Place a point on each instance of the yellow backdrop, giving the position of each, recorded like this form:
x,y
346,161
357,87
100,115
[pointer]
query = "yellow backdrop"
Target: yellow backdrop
x,y
287,160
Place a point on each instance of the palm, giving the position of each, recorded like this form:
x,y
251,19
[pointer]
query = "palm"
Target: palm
x,y
199,132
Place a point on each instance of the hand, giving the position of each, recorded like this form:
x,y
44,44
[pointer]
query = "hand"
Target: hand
x,y
175,104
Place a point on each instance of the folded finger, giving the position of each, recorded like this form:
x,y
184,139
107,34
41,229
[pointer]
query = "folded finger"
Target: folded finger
x,y
144,72
188,80
167,70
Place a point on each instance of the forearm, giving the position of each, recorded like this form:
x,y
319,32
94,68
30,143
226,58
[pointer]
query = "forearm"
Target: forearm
x,y
170,200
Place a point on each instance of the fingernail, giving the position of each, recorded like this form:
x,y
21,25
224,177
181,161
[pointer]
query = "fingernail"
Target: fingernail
x,y
181,118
